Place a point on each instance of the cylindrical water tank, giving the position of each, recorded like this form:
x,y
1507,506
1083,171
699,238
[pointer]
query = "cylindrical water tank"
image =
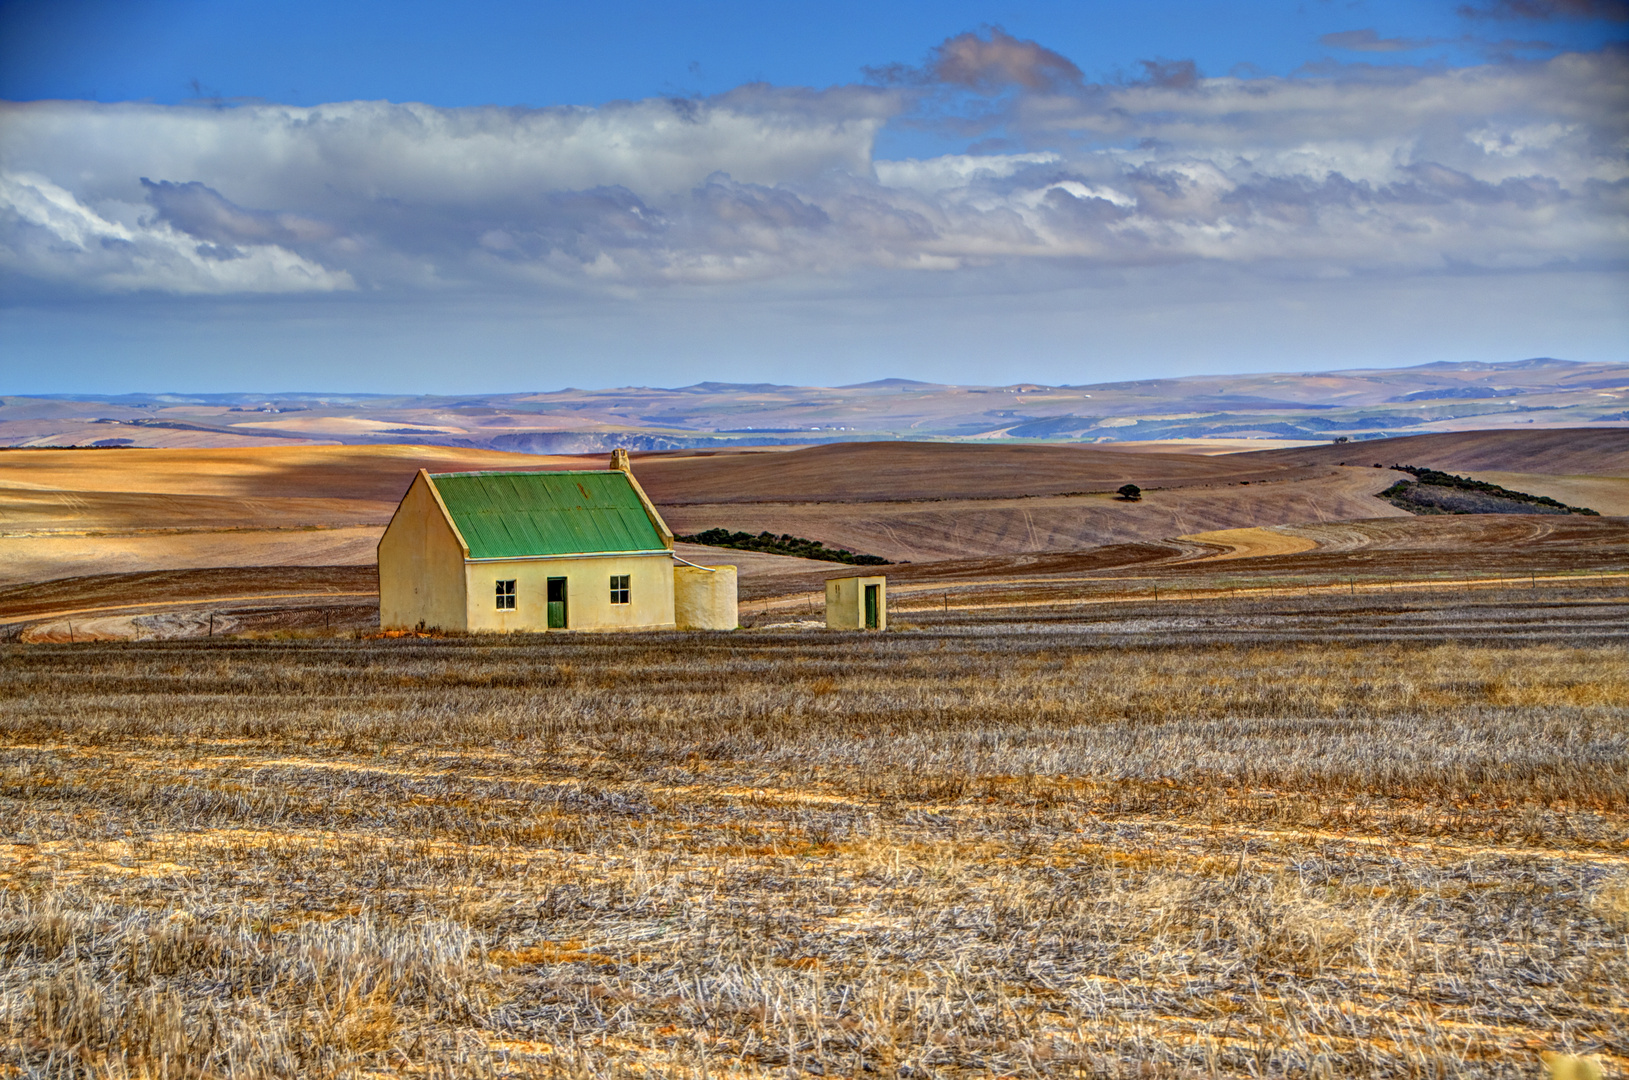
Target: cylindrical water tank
x,y
704,598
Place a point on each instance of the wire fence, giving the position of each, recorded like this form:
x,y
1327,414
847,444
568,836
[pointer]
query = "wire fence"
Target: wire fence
x,y
994,594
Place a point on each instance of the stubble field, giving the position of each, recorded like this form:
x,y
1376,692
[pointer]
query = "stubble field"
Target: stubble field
x,y
1154,842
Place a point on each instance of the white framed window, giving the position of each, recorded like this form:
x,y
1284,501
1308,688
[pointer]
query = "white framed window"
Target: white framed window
x,y
620,593
506,595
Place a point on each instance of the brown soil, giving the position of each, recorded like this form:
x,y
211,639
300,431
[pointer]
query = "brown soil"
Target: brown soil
x,y
958,513
68,513
1253,543
1380,552
106,592
923,530
171,509
48,556
1562,451
367,473
1492,533
24,510
891,472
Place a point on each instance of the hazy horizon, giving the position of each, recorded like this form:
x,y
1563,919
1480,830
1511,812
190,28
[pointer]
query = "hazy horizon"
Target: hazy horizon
x,y
880,380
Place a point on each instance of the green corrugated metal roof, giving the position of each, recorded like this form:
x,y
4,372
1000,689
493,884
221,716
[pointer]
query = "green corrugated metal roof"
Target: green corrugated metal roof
x,y
506,515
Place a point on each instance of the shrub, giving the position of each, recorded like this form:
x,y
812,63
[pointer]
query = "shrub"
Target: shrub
x,y
781,545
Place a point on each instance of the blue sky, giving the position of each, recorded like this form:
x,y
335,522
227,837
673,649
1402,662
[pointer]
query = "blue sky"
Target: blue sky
x,y
538,54
540,195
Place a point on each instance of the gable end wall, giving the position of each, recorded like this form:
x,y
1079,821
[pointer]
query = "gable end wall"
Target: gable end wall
x,y
421,565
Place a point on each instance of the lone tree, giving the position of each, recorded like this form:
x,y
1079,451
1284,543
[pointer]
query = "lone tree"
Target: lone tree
x,y
1131,492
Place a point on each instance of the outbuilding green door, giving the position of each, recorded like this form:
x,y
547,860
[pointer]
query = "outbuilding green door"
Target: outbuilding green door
x,y
557,603
871,607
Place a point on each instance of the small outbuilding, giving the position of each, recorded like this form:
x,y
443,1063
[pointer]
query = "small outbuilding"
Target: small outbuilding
x,y
541,551
857,603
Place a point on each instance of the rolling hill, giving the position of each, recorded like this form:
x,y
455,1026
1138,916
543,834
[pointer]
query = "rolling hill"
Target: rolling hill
x,y
1265,408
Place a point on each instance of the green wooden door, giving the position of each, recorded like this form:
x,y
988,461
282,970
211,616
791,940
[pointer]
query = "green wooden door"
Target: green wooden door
x,y
557,603
871,607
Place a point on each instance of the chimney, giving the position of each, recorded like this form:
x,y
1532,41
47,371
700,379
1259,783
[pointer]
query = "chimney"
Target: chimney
x,y
619,461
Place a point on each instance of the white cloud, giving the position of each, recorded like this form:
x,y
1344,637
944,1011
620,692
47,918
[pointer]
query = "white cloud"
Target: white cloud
x,y
1512,142
950,171
422,155
51,235
1359,170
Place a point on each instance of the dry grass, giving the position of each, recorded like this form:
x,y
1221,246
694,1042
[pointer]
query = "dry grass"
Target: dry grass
x,y
997,850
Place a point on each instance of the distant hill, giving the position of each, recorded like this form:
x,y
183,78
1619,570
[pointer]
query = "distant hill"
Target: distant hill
x,y
1309,407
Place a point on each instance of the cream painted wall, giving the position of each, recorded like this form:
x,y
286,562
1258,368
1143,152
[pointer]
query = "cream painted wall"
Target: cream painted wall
x,y
421,565
845,602
588,593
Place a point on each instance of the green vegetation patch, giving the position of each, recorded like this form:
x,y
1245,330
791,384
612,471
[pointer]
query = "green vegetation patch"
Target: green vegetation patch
x,y
781,545
1433,492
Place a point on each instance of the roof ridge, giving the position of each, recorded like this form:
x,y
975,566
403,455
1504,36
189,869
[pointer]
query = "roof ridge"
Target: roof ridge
x,y
529,472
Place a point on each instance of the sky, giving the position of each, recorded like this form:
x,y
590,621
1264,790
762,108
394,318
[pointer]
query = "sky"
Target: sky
x,y
414,197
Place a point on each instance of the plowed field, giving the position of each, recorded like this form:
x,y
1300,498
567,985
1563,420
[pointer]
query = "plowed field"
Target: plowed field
x,y
944,513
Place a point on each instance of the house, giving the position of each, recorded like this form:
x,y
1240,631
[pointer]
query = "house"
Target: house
x,y
540,551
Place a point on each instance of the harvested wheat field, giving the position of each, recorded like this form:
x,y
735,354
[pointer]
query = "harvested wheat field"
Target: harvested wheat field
x,y
73,513
1385,839
1603,494
1263,778
1562,451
